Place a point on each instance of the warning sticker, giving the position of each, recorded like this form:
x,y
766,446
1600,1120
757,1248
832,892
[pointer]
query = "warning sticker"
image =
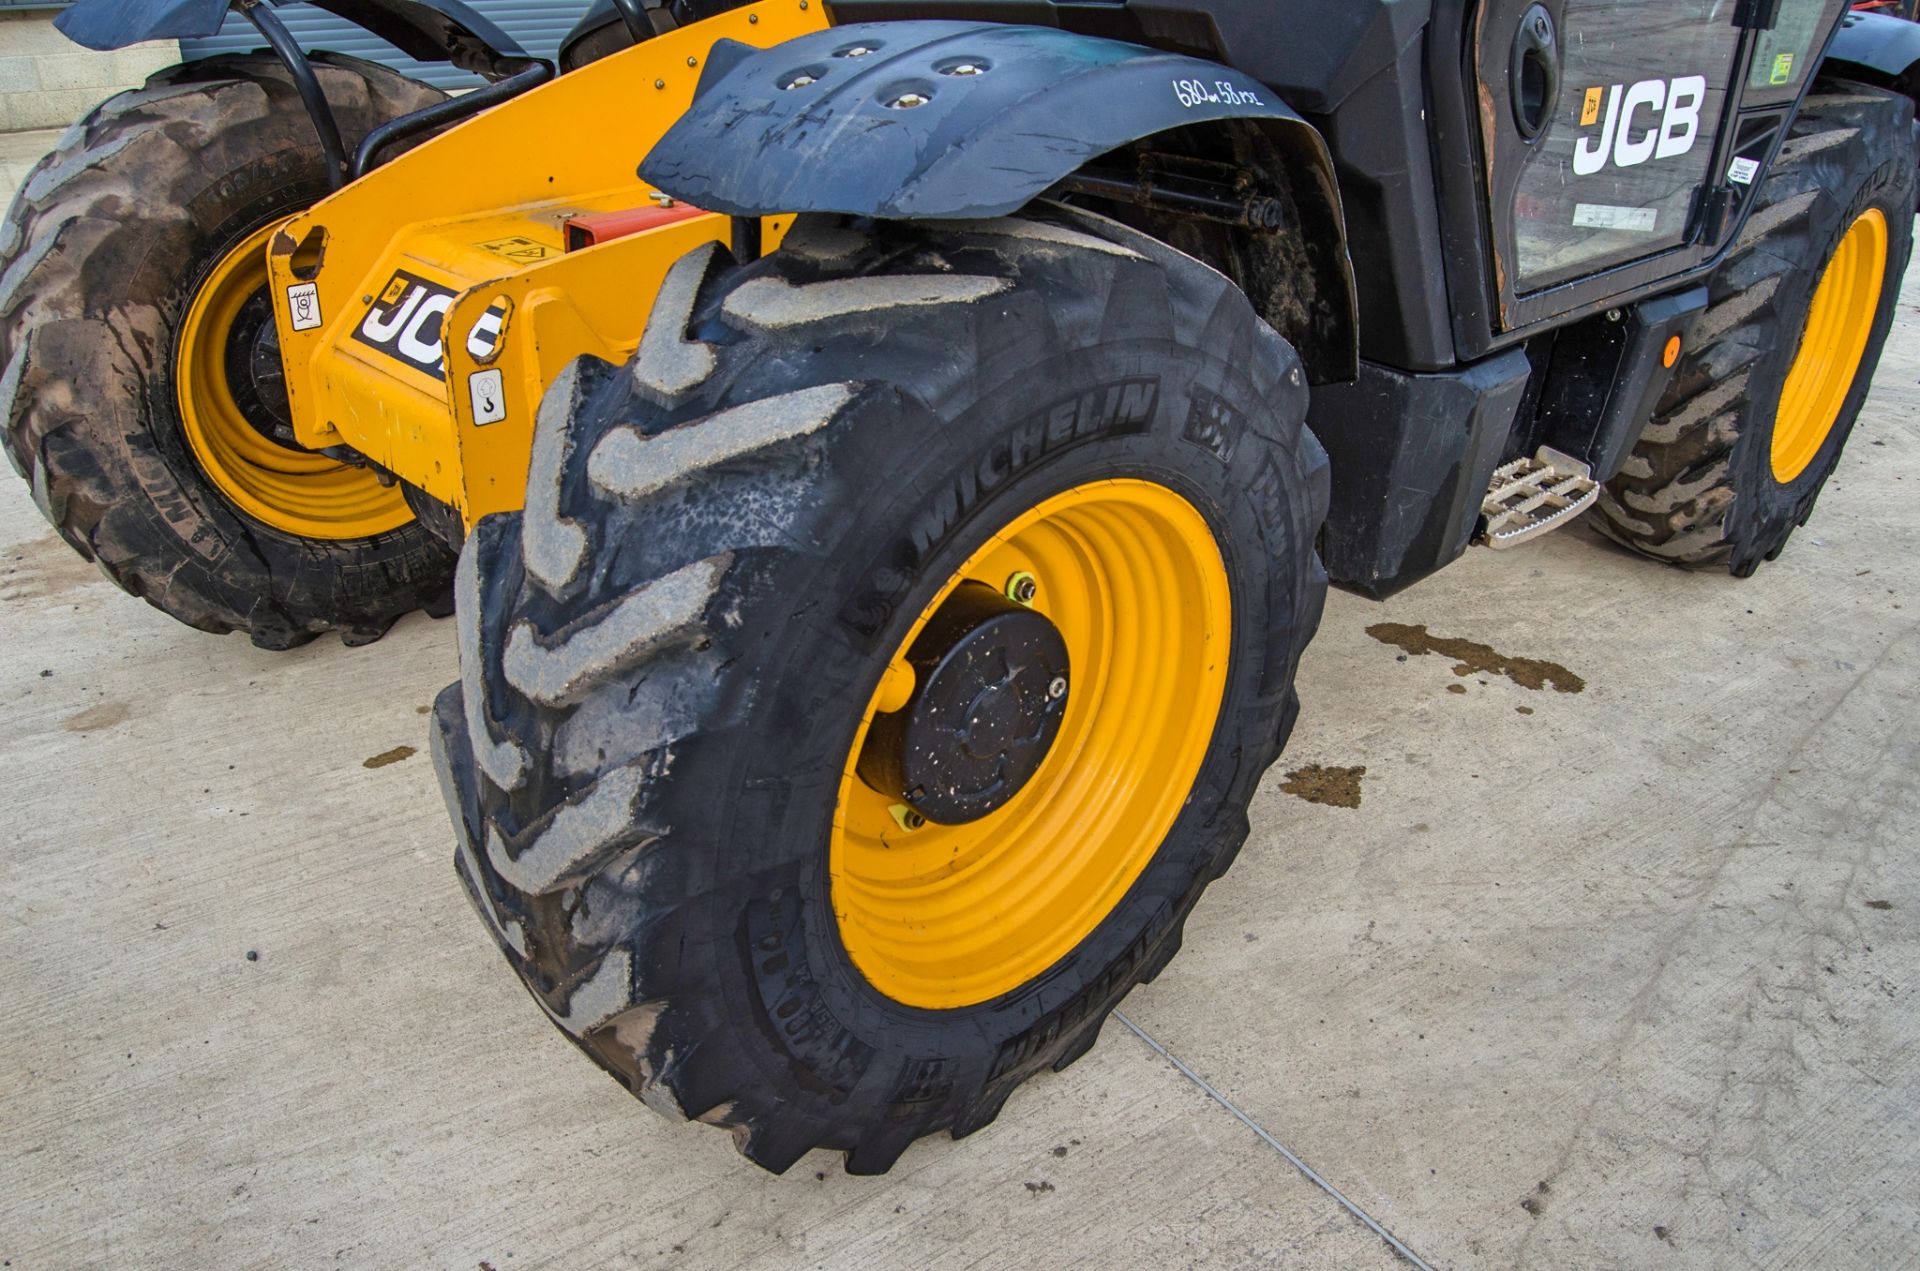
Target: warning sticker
x,y
405,322
1590,112
1637,220
489,396
518,249
1743,170
303,305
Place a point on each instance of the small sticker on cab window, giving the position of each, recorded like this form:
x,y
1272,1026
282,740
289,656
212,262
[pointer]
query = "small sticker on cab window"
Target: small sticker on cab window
x,y
1743,170
1636,220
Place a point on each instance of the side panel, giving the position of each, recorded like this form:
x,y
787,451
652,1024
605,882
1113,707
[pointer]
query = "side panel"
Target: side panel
x,y
1412,457
383,289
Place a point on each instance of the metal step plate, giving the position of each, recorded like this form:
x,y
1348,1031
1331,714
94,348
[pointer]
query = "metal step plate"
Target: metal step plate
x,y
1531,497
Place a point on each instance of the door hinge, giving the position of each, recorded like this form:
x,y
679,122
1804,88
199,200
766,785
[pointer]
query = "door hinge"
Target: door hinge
x,y
1713,212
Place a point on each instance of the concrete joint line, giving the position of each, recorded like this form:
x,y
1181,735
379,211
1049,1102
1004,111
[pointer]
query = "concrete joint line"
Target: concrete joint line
x,y
1393,1242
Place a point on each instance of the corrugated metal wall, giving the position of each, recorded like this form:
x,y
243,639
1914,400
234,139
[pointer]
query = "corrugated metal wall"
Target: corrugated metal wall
x,y
537,24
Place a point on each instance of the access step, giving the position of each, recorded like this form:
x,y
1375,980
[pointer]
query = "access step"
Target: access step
x,y
1531,497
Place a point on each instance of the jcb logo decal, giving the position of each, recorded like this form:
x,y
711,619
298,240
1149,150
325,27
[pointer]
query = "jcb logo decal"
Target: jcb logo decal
x,y
1654,119
406,321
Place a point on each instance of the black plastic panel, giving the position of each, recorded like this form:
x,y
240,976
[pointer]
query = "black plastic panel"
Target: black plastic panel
x,y
1412,459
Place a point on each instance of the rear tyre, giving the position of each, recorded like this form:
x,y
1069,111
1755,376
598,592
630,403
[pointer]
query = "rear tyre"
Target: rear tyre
x,y
681,668
142,396
1766,394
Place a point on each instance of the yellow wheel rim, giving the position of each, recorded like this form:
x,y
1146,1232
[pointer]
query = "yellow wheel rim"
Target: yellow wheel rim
x,y
1838,327
297,491
946,916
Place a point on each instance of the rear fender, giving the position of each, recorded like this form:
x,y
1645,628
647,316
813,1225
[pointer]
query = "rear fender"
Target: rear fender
x,y
427,30
1877,49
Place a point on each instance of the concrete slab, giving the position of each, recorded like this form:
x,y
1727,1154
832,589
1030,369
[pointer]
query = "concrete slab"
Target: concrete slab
x,y
1585,979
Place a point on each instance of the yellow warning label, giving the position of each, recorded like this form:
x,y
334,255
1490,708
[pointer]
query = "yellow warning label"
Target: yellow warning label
x,y
395,289
1590,113
518,249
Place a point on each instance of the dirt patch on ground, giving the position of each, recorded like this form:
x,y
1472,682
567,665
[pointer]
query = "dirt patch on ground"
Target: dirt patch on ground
x,y
43,569
95,718
386,757
1472,658
1335,787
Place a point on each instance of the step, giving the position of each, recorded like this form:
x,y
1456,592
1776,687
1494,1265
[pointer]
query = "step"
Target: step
x,y
1531,497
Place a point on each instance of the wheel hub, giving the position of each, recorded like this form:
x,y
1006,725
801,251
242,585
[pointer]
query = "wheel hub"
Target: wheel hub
x,y
990,691
255,375
232,399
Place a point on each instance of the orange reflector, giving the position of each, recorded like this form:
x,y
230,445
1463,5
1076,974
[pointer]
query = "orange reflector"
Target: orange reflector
x,y
1673,352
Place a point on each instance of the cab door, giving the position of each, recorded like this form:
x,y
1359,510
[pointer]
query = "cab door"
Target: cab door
x,y
1603,128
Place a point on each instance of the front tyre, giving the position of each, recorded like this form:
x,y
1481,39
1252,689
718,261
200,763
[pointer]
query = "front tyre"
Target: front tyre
x,y
882,667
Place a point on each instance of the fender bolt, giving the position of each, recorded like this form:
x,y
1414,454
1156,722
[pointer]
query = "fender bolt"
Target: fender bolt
x,y
1023,587
1057,688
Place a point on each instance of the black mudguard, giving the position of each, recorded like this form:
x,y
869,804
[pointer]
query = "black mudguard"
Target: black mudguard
x,y
1877,49
1037,106
427,30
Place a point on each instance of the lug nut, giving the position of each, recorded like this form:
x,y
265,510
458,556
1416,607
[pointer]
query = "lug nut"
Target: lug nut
x,y
1057,687
1023,587
906,818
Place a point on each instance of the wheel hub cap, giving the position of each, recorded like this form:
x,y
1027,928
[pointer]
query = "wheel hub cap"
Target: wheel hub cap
x,y
990,679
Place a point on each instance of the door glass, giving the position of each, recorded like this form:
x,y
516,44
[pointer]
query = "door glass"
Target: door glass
x,y
1643,88
1783,54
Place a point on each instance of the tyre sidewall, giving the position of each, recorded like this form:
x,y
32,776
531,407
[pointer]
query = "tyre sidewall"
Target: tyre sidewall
x,y
793,746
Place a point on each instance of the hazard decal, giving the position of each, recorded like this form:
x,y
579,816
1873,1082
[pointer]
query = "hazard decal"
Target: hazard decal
x,y
518,249
406,323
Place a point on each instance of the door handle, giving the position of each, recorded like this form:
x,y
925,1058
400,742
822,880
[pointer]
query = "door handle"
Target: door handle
x,y
1535,69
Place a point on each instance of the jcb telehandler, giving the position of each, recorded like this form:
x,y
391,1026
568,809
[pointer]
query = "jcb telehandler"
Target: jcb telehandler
x,y
886,457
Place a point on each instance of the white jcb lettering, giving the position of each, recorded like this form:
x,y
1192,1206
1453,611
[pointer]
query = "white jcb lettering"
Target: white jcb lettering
x,y
412,346
1682,126
385,327
1674,107
1629,151
1589,158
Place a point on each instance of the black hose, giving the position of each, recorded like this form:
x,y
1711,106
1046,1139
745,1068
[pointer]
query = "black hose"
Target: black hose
x,y
635,18
288,50
367,153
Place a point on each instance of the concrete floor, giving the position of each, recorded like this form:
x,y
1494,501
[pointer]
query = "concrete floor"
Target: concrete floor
x,y
1606,978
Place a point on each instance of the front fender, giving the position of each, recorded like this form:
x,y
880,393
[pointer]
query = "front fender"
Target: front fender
x,y
1037,105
